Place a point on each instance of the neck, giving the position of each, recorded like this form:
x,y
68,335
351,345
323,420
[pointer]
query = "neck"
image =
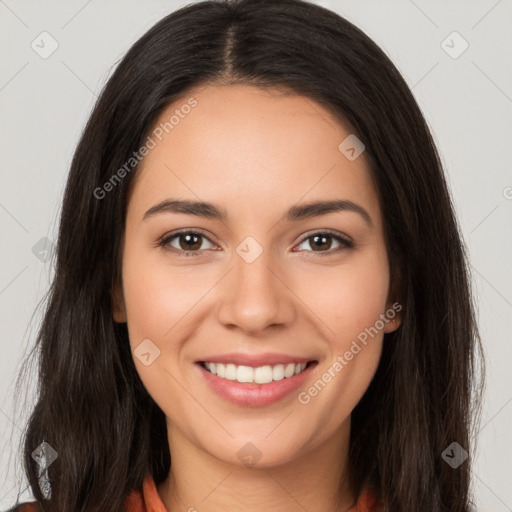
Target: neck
x,y
314,481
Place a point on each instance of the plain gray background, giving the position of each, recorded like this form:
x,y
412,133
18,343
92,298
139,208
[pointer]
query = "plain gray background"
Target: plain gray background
x,y
466,98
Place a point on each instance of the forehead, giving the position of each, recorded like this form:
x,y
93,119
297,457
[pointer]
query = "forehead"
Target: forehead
x,y
250,149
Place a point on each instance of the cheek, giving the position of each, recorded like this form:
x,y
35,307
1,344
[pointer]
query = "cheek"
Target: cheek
x,y
352,311
362,300
349,298
157,296
146,297
158,300
358,298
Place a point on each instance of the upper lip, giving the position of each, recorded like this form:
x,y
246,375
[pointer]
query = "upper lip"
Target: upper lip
x,y
254,360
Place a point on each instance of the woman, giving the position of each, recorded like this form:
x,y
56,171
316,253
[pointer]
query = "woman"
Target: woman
x,y
201,348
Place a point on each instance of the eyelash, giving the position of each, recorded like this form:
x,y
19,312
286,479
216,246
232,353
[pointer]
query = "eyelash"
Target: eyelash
x,y
166,239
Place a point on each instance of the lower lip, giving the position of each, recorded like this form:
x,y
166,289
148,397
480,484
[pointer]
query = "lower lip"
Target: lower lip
x,y
255,395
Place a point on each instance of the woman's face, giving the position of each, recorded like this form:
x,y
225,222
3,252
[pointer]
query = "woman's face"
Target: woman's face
x,y
268,285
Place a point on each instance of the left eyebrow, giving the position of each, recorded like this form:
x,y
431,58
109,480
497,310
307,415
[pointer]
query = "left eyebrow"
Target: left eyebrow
x,y
295,213
317,208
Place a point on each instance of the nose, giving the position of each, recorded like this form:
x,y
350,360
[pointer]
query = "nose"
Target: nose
x,y
255,296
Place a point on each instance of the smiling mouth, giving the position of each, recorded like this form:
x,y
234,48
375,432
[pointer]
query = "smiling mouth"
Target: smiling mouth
x,y
255,375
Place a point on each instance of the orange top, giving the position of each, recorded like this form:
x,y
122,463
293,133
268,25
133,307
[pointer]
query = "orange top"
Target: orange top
x,y
148,500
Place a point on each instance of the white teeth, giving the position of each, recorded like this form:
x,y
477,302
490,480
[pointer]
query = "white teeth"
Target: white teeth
x,y
278,372
259,375
289,370
230,372
245,374
263,374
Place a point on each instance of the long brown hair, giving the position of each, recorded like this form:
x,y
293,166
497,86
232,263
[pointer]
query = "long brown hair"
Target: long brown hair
x,y
93,409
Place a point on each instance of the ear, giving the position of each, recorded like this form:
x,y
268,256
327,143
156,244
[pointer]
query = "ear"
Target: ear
x,y
118,305
394,308
394,317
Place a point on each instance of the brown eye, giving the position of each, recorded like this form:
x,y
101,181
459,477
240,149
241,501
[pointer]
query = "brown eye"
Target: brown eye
x,y
322,242
189,243
319,242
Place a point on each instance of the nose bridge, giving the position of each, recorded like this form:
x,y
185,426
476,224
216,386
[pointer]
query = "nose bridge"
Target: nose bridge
x,y
255,298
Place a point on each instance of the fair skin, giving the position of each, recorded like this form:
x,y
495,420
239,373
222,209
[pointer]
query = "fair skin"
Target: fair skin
x,y
254,154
